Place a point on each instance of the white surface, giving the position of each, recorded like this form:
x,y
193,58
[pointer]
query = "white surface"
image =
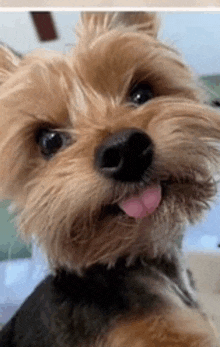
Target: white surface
x,y
75,3
19,277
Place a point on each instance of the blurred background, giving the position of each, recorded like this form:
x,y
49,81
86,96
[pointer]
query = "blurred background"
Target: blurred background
x,y
195,34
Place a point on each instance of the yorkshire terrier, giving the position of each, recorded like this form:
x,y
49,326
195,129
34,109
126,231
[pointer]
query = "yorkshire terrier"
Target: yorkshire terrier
x,y
108,152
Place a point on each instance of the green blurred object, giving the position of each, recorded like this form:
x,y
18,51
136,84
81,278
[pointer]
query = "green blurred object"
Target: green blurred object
x,y
11,247
212,82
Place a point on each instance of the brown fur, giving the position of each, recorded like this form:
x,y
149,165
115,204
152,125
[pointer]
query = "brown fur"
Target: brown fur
x,y
177,328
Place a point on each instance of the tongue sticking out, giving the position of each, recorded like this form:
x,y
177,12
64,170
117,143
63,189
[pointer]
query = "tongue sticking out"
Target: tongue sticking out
x,y
144,204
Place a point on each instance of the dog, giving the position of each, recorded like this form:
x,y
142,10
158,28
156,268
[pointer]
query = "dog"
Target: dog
x,y
108,153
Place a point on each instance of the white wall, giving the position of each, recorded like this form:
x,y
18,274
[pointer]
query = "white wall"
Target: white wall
x,y
196,34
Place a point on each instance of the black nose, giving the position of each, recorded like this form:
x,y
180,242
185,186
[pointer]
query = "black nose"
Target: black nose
x,y
125,155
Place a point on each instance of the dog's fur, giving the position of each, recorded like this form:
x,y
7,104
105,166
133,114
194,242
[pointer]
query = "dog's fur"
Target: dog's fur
x,y
117,280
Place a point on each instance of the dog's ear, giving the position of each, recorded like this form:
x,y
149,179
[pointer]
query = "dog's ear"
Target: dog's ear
x,y
98,22
9,62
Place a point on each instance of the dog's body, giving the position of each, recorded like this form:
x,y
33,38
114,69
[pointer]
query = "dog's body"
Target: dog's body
x,y
146,304
108,153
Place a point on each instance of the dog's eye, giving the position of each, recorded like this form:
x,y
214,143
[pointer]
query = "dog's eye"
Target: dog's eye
x,y
50,141
140,94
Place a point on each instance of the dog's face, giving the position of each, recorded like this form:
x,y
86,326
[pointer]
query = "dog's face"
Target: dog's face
x,y
107,152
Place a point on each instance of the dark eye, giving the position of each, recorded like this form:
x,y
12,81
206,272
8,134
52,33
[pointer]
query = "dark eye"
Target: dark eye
x,y
50,141
140,94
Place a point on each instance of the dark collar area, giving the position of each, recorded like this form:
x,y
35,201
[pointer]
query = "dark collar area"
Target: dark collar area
x,y
123,287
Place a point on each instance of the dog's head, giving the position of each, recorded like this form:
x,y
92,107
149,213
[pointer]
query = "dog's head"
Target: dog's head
x,y
109,151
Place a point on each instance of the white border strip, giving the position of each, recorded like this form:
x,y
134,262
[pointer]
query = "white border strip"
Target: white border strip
x,y
115,8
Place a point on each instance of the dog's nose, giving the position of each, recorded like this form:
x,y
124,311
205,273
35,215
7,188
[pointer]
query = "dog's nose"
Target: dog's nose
x,y
125,155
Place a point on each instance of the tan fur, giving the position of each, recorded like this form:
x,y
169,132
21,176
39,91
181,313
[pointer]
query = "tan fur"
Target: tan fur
x,y
177,328
86,94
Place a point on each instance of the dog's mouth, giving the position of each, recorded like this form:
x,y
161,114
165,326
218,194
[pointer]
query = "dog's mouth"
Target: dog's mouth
x,y
136,206
143,204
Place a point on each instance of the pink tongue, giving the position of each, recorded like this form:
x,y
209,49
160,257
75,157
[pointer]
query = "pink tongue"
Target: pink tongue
x,y
144,204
